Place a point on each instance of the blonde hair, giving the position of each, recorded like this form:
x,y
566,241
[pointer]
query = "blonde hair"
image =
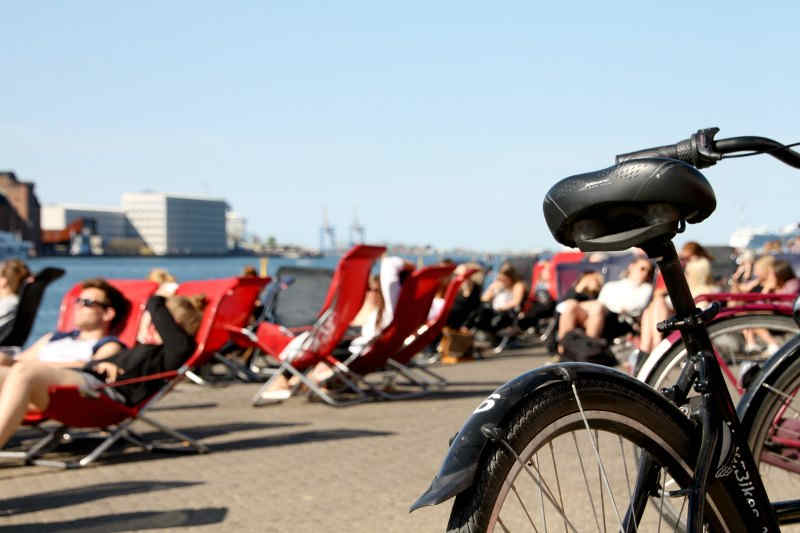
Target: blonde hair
x,y
160,275
15,271
187,311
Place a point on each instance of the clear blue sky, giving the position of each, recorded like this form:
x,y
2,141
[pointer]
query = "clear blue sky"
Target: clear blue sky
x,y
441,122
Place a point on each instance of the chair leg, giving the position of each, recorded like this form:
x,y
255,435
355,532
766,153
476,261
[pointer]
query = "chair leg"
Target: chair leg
x,y
192,376
186,440
240,372
50,440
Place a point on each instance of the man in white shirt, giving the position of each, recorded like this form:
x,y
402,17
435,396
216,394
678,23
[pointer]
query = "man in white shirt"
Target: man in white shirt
x,y
600,318
99,309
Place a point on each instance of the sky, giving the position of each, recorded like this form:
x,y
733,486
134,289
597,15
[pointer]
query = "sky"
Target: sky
x,y
441,123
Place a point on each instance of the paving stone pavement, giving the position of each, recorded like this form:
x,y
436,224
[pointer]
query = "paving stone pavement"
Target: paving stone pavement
x,y
294,467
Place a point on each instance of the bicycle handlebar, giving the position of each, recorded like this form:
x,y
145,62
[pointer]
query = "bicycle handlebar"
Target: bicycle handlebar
x,y
701,150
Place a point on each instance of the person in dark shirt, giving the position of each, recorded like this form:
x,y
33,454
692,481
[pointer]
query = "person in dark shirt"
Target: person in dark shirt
x,y
164,343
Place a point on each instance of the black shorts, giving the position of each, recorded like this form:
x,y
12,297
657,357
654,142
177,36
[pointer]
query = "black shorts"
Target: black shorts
x,y
614,326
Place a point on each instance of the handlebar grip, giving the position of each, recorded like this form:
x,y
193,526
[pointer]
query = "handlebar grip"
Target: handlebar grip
x,y
668,150
698,150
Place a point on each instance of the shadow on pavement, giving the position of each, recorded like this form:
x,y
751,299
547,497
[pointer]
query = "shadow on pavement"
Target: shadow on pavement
x,y
181,407
295,438
140,521
78,495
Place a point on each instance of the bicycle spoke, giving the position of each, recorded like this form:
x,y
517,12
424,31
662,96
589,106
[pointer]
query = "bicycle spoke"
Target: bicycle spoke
x,y
524,507
500,521
541,495
597,456
602,494
625,464
558,481
540,482
783,395
586,483
661,505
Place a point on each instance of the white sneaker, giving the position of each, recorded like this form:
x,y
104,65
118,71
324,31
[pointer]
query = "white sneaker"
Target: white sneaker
x,y
273,396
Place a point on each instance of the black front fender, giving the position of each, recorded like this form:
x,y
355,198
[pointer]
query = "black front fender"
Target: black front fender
x,y
461,463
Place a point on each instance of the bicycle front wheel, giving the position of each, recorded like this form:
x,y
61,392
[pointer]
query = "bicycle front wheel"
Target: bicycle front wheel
x,y
774,434
575,464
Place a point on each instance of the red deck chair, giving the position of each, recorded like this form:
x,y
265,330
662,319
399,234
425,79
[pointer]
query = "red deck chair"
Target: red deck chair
x,y
410,313
427,334
135,290
236,313
72,409
345,298
353,271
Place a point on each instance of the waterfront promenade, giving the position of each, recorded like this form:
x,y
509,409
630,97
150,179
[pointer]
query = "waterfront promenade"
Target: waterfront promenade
x,y
295,467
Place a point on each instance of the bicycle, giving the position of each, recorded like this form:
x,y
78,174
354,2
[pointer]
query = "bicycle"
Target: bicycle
x,y
656,449
770,312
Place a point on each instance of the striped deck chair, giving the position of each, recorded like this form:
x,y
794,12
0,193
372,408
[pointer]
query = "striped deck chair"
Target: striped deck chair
x,y
410,314
343,302
72,409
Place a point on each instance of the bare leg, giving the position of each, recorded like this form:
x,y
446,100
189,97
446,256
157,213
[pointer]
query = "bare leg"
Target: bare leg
x,y
595,318
648,324
27,384
571,316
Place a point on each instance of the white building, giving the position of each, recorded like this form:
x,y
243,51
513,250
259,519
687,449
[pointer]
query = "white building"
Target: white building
x,y
235,227
178,224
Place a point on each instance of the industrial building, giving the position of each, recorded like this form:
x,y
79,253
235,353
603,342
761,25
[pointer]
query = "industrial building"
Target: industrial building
x,y
178,224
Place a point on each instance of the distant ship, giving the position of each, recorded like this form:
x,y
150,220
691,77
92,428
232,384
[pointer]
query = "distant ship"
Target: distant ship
x,y
12,245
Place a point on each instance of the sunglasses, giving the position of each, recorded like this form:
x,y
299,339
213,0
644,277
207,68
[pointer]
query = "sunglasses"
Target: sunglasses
x,y
88,302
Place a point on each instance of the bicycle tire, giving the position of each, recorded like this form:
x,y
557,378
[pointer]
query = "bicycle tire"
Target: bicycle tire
x,y
666,371
611,407
778,462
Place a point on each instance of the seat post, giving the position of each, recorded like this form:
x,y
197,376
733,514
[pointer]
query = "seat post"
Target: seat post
x,y
692,331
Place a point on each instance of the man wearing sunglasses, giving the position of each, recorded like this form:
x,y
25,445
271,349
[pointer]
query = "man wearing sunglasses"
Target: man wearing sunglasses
x,y
99,309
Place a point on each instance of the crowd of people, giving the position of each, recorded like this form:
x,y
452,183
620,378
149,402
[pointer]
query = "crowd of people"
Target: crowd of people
x,y
90,356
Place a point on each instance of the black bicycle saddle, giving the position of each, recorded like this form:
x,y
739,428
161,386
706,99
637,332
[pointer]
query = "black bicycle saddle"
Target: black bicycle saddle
x,y
627,204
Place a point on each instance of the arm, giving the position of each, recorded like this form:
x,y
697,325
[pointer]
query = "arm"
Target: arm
x,y
488,294
178,345
32,353
107,350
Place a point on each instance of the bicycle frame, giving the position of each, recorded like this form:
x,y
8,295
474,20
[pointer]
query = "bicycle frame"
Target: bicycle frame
x,y
723,451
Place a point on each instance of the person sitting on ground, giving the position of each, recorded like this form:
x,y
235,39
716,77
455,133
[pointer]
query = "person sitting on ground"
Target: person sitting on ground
x,y
502,301
99,310
13,273
166,281
600,318
164,342
376,313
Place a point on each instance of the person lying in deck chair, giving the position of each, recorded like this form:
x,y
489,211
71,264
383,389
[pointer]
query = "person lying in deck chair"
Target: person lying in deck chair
x,y
164,342
377,312
99,309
